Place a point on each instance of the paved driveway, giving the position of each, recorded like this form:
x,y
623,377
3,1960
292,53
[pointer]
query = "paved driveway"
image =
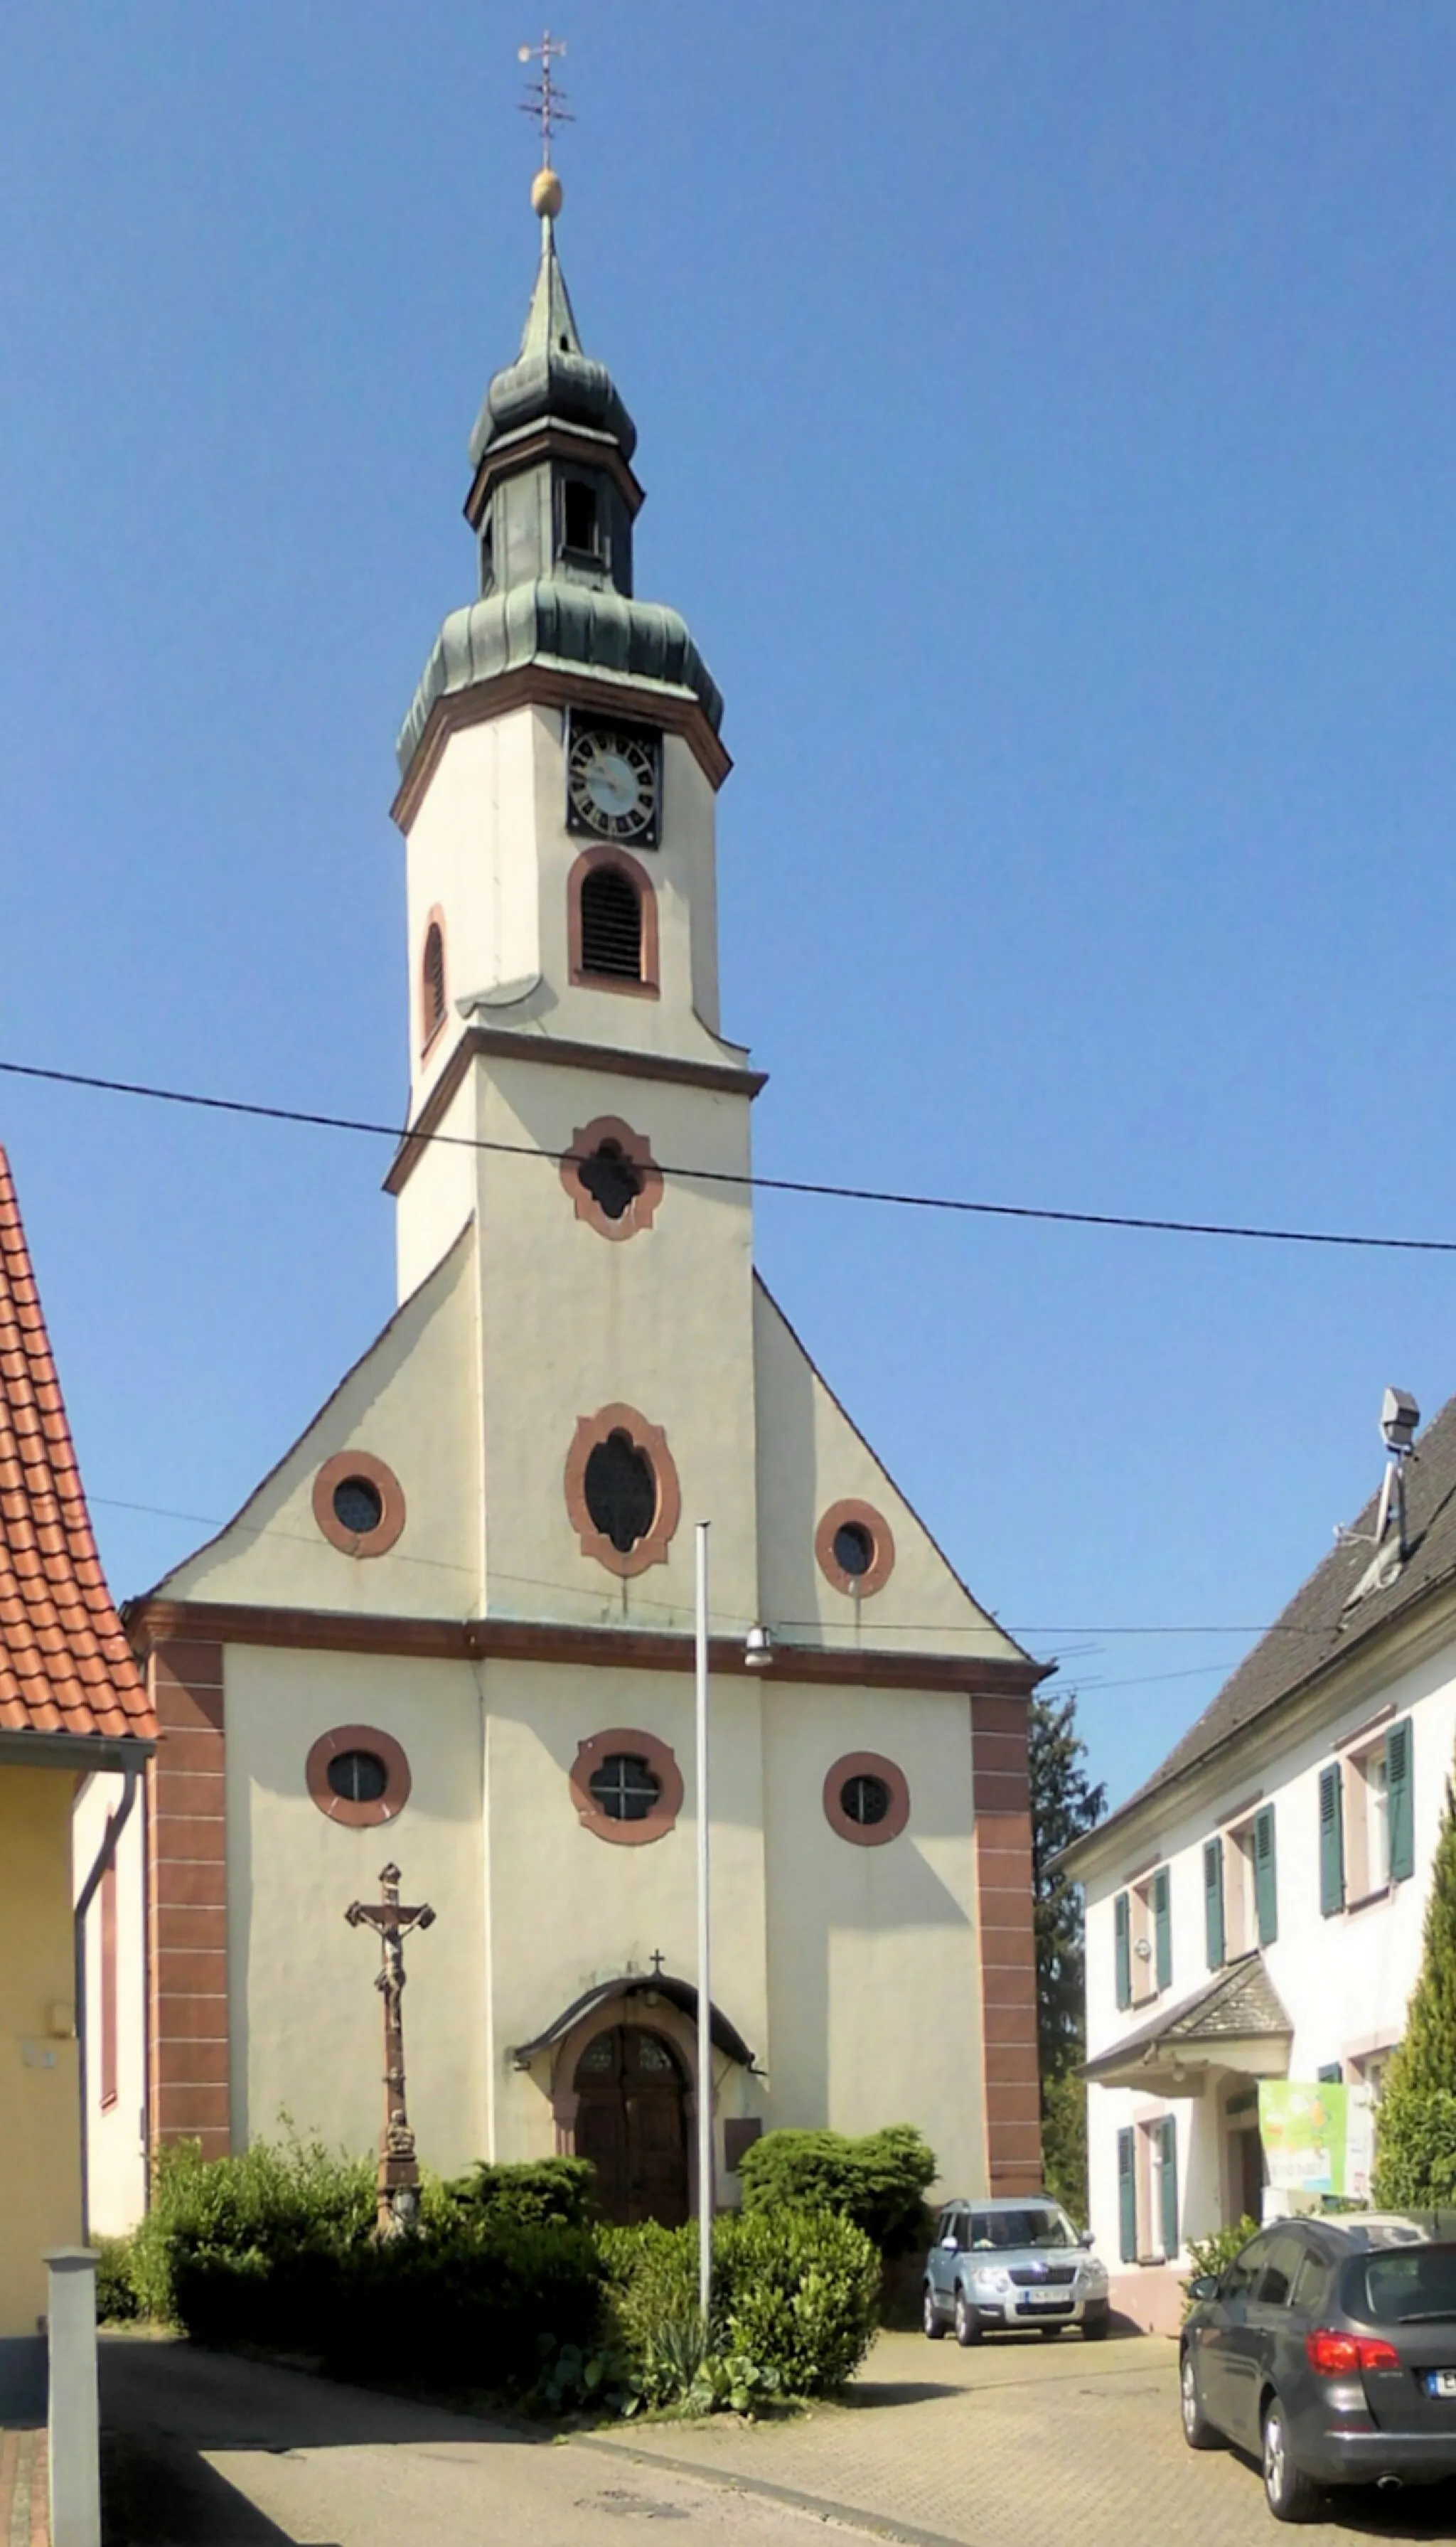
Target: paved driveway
x,y
1018,2444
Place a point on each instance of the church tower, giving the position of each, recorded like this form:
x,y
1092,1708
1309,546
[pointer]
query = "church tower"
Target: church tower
x,y
452,1626
560,768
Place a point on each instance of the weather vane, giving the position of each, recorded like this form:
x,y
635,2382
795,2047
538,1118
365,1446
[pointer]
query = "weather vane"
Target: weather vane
x,y
544,101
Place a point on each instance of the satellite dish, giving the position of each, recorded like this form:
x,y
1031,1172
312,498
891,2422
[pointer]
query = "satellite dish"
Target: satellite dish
x,y
501,995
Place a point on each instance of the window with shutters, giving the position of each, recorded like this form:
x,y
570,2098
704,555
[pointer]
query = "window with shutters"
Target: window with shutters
x,y
1215,1933
1368,1792
612,923
1127,2196
1249,1877
1149,1936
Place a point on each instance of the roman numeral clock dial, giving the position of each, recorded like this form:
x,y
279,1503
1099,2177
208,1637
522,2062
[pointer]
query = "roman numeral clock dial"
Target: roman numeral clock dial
x,y
612,785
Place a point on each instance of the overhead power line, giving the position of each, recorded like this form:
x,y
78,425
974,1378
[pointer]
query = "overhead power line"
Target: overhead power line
x,y
890,1195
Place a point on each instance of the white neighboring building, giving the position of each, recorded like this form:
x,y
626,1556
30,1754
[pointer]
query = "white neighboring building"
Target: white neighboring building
x,y
1255,1910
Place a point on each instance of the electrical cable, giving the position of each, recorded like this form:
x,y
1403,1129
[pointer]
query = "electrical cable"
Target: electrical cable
x,y
749,1181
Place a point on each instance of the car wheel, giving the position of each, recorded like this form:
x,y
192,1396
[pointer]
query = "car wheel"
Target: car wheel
x,y
1288,2491
967,2324
931,2320
1198,2432
1094,2328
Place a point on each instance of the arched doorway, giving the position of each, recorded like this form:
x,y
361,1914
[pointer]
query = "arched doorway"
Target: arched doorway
x,y
630,2123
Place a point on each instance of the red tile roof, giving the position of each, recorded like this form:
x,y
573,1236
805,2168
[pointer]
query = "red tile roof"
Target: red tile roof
x,y
65,1666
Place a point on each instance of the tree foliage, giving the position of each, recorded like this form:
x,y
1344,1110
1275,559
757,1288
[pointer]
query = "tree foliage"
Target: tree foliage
x,y
1416,2128
1063,1804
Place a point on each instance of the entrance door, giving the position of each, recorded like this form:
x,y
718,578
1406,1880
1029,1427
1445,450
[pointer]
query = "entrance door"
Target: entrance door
x,y
630,2123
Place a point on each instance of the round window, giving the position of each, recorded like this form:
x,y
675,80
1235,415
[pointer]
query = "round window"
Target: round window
x,y
854,1550
864,1798
359,1777
612,1180
359,1506
621,1491
625,1788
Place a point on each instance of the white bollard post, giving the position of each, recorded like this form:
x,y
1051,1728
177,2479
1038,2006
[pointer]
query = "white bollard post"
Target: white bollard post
x,y
74,2427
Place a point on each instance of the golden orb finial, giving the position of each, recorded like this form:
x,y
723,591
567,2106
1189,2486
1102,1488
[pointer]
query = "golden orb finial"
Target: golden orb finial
x,y
546,193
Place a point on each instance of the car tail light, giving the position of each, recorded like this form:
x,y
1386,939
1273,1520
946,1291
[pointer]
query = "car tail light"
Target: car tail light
x,y
1336,2355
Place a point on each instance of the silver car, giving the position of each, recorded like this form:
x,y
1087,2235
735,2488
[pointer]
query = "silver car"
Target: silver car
x,y
1012,2263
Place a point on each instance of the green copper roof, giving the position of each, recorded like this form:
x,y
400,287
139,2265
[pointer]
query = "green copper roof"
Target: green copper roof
x,y
569,624
552,376
541,601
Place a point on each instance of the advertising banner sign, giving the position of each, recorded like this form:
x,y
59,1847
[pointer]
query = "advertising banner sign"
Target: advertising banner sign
x,y
1318,2137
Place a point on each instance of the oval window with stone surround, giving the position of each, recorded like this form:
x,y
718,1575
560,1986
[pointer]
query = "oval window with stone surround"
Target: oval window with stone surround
x,y
612,1178
621,1490
867,1798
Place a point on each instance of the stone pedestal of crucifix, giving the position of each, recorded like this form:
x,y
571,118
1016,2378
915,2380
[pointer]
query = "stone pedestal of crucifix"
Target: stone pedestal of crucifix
x,y
398,2198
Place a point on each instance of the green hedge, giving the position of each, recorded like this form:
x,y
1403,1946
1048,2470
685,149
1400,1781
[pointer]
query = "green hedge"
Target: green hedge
x,y
1415,2151
507,2286
795,2295
878,2182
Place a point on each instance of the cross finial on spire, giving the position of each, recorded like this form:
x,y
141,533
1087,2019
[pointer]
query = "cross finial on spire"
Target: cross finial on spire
x,y
544,100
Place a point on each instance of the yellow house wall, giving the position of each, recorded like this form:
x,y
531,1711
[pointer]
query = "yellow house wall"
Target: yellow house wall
x,y
39,2114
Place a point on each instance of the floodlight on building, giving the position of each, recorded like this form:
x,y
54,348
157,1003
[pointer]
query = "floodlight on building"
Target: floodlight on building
x,y
1399,1417
758,1649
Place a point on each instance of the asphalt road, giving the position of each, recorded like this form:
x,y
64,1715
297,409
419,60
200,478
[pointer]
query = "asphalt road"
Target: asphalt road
x,y
202,2450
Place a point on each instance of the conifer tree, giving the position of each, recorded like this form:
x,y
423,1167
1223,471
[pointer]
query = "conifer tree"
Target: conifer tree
x,y
1063,1804
1416,2127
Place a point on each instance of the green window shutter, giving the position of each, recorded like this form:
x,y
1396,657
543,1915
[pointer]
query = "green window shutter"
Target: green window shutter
x,y
1122,1929
1332,1840
1265,1877
1329,2074
1213,1900
1399,1804
1163,1928
1127,2198
1167,2184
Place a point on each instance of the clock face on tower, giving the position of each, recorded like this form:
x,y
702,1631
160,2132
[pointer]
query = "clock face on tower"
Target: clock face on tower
x,y
612,783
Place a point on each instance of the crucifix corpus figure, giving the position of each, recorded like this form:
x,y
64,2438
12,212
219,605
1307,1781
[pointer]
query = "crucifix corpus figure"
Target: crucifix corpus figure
x,y
399,2175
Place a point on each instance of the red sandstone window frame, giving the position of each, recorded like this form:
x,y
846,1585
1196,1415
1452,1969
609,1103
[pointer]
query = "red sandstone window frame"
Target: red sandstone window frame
x,y
862,1516
662,1762
431,1025
646,985
341,1808
375,1473
637,1151
866,1764
652,1548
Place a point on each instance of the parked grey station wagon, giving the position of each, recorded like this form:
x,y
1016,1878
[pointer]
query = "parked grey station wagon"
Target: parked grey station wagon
x,y
1011,2264
1327,2350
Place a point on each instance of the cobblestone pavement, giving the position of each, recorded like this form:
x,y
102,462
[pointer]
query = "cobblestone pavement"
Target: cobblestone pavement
x,y
1017,2446
23,2517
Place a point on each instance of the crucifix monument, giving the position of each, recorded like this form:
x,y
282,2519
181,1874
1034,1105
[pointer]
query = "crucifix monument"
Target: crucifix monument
x,y
399,2176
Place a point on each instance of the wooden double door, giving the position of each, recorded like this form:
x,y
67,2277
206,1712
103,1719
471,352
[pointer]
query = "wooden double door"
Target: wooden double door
x,y
631,2123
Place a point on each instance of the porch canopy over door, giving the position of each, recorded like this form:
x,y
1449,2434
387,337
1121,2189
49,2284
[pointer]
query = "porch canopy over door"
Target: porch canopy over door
x,y
1237,2021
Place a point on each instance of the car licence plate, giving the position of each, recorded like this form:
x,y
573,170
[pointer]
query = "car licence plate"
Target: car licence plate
x,y
1058,2299
1440,2383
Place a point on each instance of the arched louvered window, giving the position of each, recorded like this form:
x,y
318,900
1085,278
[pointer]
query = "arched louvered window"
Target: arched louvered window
x,y
432,980
611,925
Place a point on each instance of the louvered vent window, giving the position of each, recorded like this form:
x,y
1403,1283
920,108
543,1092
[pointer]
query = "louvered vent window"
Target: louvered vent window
x,y
434,978
611,925
621,1491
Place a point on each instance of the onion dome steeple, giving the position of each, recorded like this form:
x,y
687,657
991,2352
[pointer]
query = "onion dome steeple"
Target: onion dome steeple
x,y
552,502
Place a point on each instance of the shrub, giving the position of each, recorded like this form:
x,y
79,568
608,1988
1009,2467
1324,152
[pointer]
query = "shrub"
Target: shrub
x,y
1416,2125
794,2306
1416,2149
265,2209
1211,2254
115,2294
545,2192
878,2182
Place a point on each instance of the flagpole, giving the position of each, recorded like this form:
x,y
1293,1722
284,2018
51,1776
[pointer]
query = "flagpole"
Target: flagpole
x,y
705,2001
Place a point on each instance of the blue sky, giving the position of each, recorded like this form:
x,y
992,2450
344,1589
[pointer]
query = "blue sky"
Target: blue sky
x,y
1047,418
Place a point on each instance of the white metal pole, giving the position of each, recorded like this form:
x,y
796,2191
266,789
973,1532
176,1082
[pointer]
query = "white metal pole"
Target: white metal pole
x,y
705,2000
